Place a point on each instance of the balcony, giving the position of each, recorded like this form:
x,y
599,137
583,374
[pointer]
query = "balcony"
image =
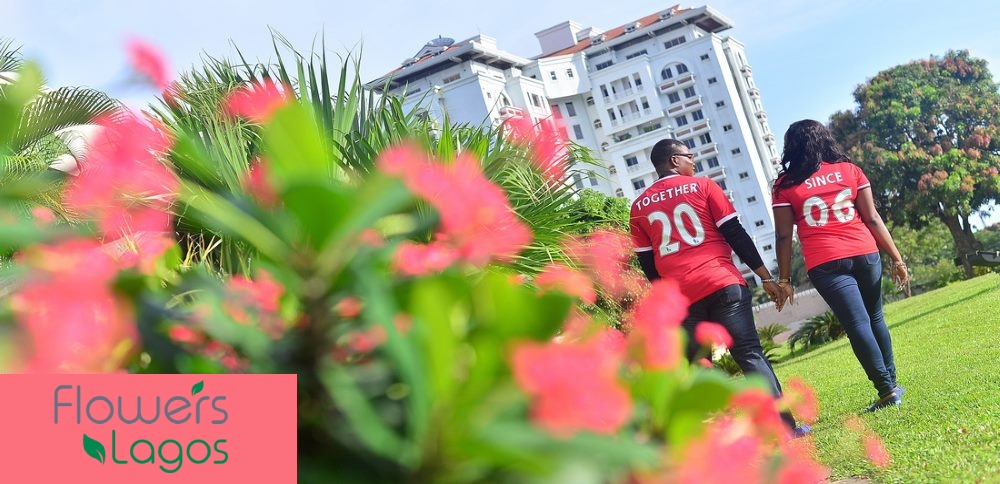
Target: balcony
x,y
632,117
753,92
510,111
612,170
679,82
769,138
694,130
636,168
684,105
710,150
746,70
761,116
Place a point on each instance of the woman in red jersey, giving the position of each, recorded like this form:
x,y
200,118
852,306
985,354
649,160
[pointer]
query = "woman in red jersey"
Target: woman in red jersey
x,y
829,200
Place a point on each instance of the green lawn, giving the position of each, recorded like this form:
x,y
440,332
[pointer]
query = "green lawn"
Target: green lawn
x,y
947,349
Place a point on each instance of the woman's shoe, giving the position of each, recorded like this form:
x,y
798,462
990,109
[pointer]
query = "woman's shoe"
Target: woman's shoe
x,y
891,400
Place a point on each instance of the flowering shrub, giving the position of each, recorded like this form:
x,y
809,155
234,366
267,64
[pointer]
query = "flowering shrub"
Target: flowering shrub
x,y
417,360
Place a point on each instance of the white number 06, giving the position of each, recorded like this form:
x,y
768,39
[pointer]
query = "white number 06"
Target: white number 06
x,y
695,239
843,209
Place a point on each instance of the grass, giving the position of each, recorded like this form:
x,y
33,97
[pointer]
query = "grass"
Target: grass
x,y
947,349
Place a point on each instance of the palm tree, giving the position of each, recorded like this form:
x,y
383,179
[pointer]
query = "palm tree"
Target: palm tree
x,y
358,124
51,129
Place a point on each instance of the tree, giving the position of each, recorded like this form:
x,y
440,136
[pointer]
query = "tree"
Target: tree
x,y
596,210
927,134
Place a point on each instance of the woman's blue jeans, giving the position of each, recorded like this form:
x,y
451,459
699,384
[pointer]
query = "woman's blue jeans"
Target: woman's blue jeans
x,y
852,286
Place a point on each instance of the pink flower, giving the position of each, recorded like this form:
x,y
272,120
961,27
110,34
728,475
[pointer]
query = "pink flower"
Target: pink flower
x,y
368,340
67,308
564,279
348,308
728,452
412,259
140,251
655,325
801,468
706,363
801,399
605,255
258,101
260,299
708,334
226,355
548,145
371,238
148,61
575,386
875,451
256,183
122,184
43,216
476,217
182,333
762,409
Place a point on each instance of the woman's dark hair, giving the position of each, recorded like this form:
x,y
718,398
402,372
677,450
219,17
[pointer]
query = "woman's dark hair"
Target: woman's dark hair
x,y
807,144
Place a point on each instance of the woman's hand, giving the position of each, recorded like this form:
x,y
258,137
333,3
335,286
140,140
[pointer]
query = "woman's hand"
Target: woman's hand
x,y
900,274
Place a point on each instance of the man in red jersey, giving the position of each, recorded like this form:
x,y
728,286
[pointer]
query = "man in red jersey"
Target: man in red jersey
x,y
685,228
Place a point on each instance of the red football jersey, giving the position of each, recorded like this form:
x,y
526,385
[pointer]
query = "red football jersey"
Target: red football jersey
x,y
823,205
678,218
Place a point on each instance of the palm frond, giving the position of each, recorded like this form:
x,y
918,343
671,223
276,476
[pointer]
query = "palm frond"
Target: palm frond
x,y
57,109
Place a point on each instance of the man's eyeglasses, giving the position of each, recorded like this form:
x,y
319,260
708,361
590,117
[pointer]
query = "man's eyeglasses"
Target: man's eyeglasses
x,y
689,156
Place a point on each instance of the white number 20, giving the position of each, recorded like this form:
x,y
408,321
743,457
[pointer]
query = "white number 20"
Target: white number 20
x,y
843,209
666,247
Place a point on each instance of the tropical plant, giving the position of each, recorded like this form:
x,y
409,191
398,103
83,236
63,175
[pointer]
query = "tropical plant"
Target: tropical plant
x,y
50,125
816,331
767,333
417,361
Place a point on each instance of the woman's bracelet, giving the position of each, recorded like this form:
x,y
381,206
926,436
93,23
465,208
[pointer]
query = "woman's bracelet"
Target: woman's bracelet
x,y
765,281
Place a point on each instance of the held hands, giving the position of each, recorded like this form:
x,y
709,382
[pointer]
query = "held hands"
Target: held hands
x,y
899,273
780,293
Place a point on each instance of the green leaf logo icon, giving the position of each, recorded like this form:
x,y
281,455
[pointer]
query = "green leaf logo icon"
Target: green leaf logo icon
x,y
197,388
93,448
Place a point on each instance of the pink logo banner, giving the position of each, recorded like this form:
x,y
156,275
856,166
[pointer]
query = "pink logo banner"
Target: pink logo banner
x,y
148,428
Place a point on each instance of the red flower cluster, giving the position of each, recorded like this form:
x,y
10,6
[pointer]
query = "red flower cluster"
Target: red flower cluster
x,y
655,325
257,101
256,302
477,222
707,333
605,256
575,385
549,151
567,280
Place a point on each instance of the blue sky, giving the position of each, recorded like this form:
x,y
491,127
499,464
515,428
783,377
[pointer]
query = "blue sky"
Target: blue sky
x,y
807,56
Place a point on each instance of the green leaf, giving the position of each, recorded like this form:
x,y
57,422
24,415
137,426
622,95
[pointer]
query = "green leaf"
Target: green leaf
x,y
708,393
93,448
295,146
197,388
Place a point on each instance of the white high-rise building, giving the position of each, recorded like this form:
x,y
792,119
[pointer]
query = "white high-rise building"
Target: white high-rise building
x,y
471,81
618,92
669,74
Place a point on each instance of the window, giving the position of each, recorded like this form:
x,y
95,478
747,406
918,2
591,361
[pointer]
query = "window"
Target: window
x,y
569,73
636,54
752,199
705,138
698,167
555,110
689,143
611,114
552,75
712,162
598,124
727,128
674,42
604,65
590,100
636,79
577,181
639,184
744,175
712,80
645,103
697,115
578,131
570,109
631,161
619,192
689,92
768,247
592,177
720,104
681,120
704,57
451,78
674,97
735,151
536,100
681,68
666,73
722,185
759,223
604,90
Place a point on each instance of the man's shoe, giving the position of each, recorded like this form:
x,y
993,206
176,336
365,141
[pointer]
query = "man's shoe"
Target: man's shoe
x,y
899,390
891,400
801,431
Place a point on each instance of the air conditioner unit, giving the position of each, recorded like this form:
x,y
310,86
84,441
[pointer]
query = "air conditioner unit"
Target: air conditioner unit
x,y
666,15
632,28
597,39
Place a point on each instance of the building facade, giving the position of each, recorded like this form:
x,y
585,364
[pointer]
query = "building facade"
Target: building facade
x,y
618,92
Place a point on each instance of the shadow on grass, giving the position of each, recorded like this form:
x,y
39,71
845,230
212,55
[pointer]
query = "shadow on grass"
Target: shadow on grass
x,y
827,347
